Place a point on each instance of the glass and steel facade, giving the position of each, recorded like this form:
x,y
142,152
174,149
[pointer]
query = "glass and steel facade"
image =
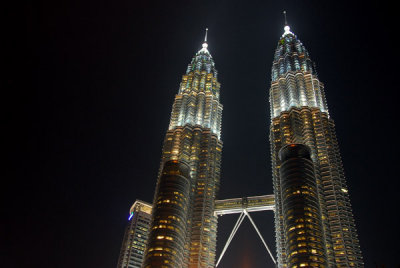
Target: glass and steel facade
x,y
136,234
302,221
167,237
193,138
299,114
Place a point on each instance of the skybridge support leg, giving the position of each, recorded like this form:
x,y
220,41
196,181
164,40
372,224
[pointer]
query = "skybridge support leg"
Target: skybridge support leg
x,y
259,234
235,228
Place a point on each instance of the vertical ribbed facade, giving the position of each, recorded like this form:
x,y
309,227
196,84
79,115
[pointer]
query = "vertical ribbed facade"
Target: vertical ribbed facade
x,y
193,137
302,218
167,237
299,114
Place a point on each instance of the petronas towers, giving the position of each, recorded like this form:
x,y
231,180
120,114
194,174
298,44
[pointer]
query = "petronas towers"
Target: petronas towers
x,y
183,232
192,142
299,114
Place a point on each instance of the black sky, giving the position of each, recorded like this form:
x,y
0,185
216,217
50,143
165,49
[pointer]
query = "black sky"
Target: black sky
x,y
89,90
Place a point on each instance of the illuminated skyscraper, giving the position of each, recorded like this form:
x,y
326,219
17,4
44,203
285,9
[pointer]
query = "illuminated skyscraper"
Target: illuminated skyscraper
x,y
299,114
193,141
135,238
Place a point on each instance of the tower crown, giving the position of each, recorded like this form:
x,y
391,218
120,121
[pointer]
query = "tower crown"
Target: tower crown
x,y
294,79
203,61
198,94
291,55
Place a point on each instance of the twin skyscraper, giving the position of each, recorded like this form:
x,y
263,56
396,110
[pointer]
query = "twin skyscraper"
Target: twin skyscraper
x,y
314,224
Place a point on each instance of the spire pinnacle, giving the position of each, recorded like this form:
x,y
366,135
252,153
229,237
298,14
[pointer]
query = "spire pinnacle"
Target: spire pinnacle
x,y
284,14
205,45
287,27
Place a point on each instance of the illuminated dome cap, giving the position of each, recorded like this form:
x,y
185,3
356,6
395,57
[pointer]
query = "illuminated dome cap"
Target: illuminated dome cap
x,y
287,30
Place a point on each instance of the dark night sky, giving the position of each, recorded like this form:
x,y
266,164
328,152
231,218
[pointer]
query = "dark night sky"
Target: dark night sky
x,y
89,89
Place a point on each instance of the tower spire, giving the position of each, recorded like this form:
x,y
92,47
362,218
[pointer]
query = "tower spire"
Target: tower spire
x,y
287,27
205,45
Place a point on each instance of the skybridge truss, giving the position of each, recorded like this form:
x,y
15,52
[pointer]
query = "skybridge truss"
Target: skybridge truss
x,y
244,206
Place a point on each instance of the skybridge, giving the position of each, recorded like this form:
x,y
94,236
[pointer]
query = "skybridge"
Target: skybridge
x,y
244,206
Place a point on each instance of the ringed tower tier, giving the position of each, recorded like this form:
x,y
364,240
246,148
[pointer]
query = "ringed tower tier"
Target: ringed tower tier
x,y
193,139
299,115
